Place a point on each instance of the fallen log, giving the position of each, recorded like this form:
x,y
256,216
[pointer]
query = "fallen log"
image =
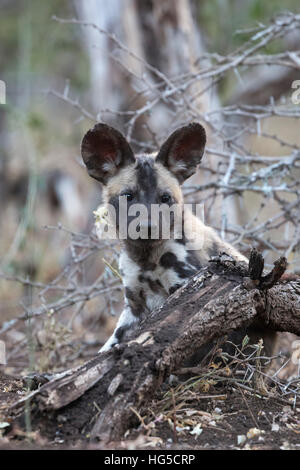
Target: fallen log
x,y
222,297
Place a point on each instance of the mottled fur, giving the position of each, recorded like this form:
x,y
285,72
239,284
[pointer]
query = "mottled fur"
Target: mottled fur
x,y
152,269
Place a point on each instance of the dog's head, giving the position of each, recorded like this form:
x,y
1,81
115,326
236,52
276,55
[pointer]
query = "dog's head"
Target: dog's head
x,y
142,181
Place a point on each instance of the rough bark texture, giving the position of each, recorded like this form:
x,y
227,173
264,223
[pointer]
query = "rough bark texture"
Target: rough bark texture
x,y
216,301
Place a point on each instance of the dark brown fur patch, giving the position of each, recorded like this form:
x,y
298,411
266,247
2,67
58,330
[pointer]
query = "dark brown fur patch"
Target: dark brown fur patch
x,y
169,260
156,286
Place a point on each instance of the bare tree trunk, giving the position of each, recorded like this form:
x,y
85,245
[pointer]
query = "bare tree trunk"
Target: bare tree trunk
x,y
106,15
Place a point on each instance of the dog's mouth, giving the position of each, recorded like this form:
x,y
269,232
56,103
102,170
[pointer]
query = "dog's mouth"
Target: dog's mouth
x,y
145,241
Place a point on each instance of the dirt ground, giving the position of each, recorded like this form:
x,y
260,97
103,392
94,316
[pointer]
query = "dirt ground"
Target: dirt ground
x,y
190,414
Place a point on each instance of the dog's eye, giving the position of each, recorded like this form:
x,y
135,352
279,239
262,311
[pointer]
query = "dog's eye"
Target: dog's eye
x,y
129,196
165,198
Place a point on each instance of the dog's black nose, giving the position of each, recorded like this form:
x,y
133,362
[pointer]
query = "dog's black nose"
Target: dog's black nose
x,y
148,230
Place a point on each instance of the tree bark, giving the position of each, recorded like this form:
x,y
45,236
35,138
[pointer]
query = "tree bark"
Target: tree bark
x,y
219,299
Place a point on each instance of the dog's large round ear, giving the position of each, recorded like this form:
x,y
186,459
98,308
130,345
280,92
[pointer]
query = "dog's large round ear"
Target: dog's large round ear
x,y
183,150
105,151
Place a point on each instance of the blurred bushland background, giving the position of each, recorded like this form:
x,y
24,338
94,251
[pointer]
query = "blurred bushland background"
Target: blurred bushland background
x,y
146,67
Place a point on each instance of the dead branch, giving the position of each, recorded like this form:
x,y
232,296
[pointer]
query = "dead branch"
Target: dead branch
x,y
221,298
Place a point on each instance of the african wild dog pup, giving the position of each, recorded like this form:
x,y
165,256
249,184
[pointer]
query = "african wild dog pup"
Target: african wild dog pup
x,y
152,267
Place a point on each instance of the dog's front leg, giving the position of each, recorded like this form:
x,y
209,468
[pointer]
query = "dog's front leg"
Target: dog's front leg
x,y
125,322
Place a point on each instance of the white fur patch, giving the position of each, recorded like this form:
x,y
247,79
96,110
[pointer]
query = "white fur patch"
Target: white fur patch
x,y
129,269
